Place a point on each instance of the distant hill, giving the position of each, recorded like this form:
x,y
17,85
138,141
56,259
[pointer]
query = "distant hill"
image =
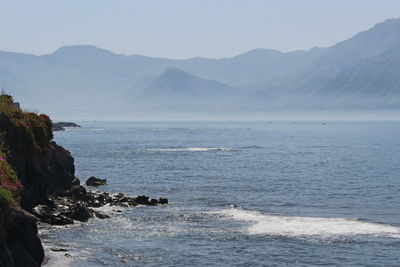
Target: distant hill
x,y
179,90
359,73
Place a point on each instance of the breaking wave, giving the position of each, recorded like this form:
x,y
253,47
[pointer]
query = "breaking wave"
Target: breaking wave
x,y
298,227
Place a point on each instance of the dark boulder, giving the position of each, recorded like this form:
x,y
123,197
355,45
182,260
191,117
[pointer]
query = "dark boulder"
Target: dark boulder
x,y
142,200
94,181
163,201
77,192
100,215
51,215
58,249
79,212
20,244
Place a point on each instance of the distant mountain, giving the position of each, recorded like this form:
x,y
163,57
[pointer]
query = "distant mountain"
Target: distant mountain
x,y
356,73
359,73
179,90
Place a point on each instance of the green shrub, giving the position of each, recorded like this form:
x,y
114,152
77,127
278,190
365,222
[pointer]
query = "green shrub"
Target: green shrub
x,y
9,183
32,129
5,198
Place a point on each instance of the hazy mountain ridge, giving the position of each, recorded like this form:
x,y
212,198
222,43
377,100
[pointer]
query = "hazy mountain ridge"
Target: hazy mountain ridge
x,y
179,90
361,72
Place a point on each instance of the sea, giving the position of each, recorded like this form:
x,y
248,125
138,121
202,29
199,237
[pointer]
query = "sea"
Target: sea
x,y
250,193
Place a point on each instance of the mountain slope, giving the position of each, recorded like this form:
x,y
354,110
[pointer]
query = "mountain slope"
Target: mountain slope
x,y
176,89
80,80
359,72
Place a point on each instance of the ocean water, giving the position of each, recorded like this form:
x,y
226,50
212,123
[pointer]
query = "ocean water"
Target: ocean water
x,y
241,194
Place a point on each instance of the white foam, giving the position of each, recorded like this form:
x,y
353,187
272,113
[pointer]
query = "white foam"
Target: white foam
x,y
193,149
292,226
108,209
56,259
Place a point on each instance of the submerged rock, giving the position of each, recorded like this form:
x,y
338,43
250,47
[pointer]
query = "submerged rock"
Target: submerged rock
x,y
94,181
101,215
58,249
60,126
163,201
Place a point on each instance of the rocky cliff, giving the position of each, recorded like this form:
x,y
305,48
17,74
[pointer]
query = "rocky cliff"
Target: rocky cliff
x,y
32,167
37,176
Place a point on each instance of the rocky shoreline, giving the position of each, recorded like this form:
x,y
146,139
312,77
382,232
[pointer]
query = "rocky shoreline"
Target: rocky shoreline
x,y
37,182
77,203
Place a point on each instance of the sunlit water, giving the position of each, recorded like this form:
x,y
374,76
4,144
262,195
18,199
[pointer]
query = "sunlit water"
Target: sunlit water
x,y
241,194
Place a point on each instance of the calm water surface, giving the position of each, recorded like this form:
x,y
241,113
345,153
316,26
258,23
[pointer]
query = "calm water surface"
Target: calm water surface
x,y
241,193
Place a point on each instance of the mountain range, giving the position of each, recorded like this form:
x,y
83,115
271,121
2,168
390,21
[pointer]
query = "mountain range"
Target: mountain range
x,y
361,73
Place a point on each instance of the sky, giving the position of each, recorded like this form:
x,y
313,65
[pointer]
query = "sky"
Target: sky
x,y
186,28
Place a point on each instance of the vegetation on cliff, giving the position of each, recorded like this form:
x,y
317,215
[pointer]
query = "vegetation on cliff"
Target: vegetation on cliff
x,y
32,131
32,128
37,178
31,167
9,183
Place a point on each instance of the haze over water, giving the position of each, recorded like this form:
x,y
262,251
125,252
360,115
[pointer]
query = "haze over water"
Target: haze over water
x,y
241,193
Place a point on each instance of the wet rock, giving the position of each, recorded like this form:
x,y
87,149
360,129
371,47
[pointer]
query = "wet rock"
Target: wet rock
x,y
75,204
58,249
60,126
77,192
51,215
100,215
142,200
119,195
163,201
94,181
79,212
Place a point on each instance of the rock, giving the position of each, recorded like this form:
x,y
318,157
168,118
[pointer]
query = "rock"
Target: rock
x,y
50,215
100,215
66,124
19,244
94,181
75,203
77,192
119,195
60,126
58,219
56,128
79,212
142,200
163,201
76,181
58,249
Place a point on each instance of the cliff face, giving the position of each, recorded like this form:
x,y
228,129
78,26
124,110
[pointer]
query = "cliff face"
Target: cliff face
x,y
41,170
38,176
33,167
19,242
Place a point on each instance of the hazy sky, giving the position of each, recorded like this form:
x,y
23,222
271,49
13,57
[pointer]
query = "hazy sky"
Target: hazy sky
x,y
186,28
